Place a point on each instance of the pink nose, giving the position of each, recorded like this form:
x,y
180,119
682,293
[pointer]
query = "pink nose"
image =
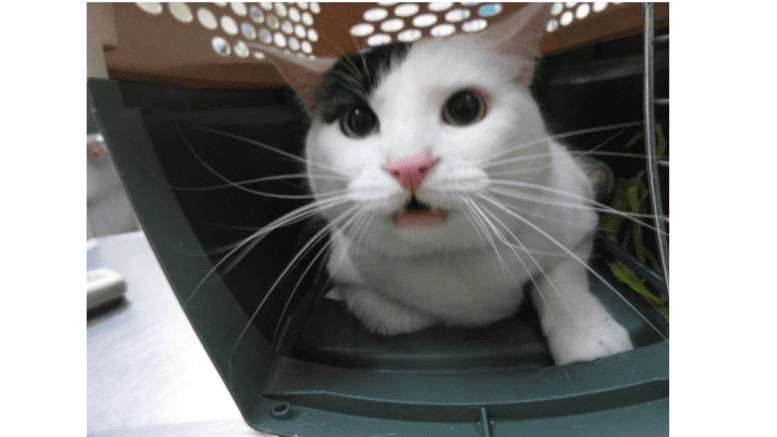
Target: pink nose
x,y
411,170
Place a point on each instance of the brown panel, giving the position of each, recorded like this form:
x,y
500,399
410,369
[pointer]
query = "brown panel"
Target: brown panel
x,y
160,48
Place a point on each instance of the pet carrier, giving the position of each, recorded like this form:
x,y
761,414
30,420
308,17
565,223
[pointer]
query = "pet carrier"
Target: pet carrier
x,y
190,97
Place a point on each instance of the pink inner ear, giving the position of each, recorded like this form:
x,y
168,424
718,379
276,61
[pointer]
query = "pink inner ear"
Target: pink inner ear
x,y
302,74
520,35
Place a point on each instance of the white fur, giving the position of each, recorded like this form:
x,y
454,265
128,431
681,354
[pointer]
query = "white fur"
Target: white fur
x,y
399,280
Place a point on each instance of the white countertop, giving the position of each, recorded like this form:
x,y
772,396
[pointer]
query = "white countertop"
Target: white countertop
x,y
147,372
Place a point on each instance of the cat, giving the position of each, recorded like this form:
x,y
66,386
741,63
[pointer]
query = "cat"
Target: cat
x,y
445,193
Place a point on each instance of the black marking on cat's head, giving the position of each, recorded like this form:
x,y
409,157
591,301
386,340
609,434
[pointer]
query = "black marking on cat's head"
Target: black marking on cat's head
x,y
352,79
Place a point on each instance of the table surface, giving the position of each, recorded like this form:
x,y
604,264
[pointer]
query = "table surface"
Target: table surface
x,y
147,372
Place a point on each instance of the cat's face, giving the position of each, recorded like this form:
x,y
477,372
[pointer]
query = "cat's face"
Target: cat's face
x,y
440,111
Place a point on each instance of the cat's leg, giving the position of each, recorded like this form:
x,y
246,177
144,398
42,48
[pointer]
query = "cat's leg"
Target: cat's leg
x,y
577,325
381,314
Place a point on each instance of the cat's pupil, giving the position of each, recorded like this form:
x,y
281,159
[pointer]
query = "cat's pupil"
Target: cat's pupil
x,y
463,108
359,122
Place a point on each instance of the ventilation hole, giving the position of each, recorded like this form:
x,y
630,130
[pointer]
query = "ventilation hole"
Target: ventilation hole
x,y
307,18
229,25
442,30
362,29
241,49
240,9
256,14
376,14
207,19
457,15
567,18
475,25
387,3
302,5
294,14
265,36
267,6
279,39
582,11
287,27
221,4
599,6
259,55
151,8
406,10
469,3
294,43
570,4
392,25
312,35
280,9
556,8
424,20
181,12
409,35
248,30
306,47
379,39
299,30
490,10
440,6
315,8
552,25
273,22
221,46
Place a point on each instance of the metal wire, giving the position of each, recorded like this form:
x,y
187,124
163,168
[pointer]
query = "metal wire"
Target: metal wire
x,y
650,140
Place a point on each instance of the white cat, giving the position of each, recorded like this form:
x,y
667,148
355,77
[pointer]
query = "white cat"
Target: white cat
x,y
451,196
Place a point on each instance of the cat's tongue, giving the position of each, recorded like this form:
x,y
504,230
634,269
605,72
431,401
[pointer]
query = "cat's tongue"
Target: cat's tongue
x,y
427,216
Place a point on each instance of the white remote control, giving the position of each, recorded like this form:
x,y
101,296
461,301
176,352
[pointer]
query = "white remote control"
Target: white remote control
x,y
102,286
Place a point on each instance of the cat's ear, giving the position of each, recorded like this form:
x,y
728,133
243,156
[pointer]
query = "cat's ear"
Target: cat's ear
x,y
520,35
302,74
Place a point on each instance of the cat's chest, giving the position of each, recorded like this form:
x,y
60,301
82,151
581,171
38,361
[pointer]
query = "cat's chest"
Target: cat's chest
x,y
452,284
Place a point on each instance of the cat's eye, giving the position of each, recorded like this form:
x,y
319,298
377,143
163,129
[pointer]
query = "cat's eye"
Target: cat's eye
x,y
464,108
358,122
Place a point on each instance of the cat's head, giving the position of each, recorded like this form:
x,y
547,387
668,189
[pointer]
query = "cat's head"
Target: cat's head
x,y
411,132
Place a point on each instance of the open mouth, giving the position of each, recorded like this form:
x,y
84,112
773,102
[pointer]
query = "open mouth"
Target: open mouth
x,y
417,213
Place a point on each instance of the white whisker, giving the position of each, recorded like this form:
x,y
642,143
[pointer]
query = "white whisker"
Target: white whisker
x,y
302,276
489,160
265,146
468,214
287,219
264,179
289,266
600,207
482,219
240,187
561,297
575,257
616,154
356,43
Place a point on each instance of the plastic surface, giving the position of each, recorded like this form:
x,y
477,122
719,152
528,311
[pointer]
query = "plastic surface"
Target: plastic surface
x,y
334,378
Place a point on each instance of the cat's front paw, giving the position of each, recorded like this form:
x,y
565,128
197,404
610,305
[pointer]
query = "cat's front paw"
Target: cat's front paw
x,y
597,341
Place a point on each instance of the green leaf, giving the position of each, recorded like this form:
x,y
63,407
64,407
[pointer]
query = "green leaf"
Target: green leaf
x,y
625,274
